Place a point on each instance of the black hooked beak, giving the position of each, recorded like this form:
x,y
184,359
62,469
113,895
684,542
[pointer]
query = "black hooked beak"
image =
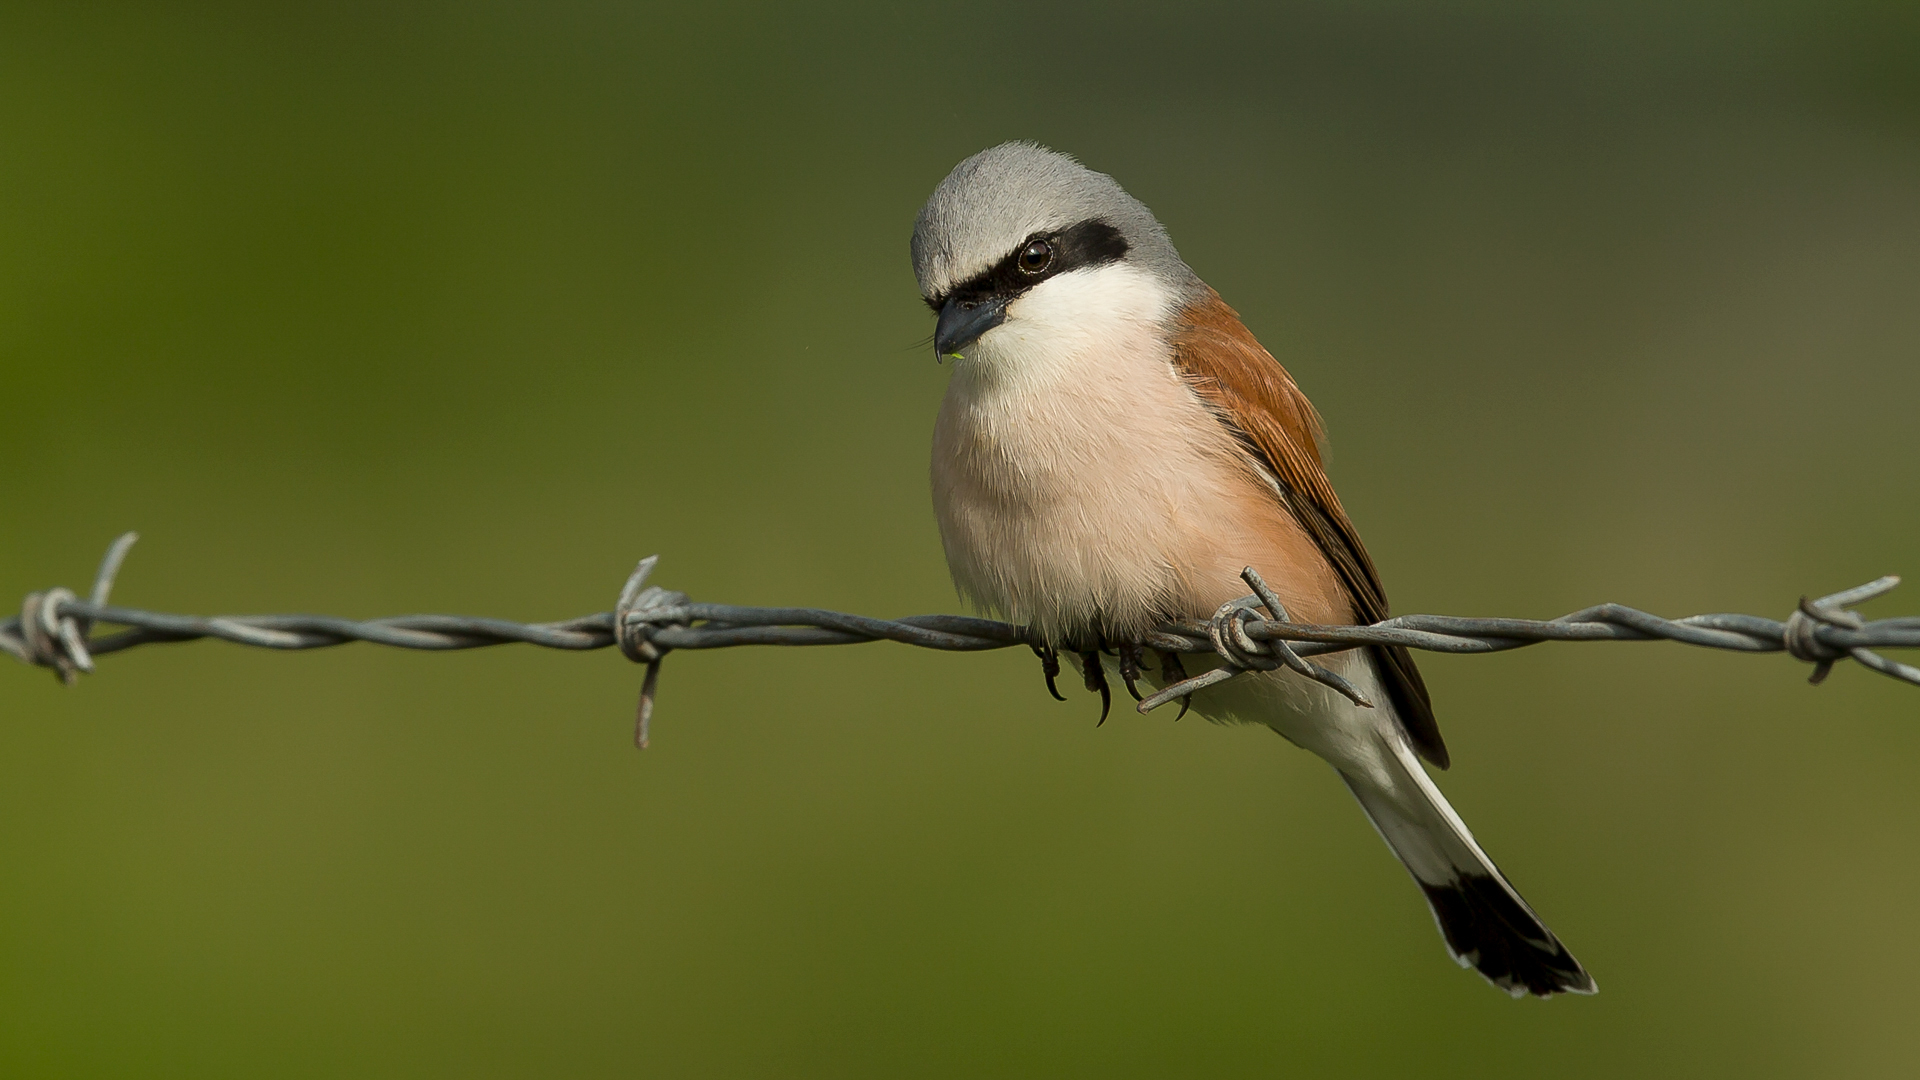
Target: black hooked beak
x,y
961,324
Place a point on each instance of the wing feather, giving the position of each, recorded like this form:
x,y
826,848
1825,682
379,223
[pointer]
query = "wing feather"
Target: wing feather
x,y
1251,393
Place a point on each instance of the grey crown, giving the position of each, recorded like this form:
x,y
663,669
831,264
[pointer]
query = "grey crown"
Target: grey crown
x,y
993,201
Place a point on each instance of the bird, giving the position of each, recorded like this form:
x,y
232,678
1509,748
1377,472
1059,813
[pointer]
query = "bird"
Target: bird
x,y
1114,447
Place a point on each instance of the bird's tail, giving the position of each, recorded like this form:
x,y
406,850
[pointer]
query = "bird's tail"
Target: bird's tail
x,y
1486,924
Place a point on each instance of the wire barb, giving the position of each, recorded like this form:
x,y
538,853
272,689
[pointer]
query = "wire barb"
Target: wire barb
x,y
49,635
54,630
1803,644
636,615
1240,653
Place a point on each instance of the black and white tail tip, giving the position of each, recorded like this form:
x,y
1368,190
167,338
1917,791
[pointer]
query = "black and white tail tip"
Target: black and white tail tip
x,y
1488,928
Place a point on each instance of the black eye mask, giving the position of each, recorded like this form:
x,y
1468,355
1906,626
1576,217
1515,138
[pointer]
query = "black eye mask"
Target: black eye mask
x,y
1090,243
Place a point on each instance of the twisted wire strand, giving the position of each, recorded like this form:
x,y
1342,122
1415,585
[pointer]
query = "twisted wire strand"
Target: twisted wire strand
x,y
54,630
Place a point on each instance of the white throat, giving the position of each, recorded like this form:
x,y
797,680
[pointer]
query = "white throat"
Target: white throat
x,y
1064,324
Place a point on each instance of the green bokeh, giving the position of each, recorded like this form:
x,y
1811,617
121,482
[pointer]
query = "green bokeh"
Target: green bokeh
x,y
465,308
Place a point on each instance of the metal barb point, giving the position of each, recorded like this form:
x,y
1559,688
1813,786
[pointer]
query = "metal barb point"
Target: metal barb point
x,y
110,566
643,716
1268,598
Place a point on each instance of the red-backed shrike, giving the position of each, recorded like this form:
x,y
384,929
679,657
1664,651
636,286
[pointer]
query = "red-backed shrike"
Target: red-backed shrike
x,y
1114,447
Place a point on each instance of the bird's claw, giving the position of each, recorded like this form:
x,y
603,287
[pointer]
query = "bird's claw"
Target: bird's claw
x,y
1050,667
1096,678
1130,656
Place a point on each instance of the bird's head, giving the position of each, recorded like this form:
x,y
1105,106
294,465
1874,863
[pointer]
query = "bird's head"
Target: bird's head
x,y
1023,246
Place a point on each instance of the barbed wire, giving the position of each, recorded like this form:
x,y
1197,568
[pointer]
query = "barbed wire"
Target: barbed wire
x,y
54,630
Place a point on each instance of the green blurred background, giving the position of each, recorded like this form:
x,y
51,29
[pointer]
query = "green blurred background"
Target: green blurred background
x,y
370,310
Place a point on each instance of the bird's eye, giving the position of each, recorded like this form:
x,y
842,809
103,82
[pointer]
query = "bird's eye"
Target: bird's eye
x,y
1036,257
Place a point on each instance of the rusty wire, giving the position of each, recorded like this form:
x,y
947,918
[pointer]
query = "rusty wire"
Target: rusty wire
x,y
54,630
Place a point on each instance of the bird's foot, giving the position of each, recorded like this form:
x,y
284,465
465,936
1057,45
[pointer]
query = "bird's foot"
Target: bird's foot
x,y
1132,665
